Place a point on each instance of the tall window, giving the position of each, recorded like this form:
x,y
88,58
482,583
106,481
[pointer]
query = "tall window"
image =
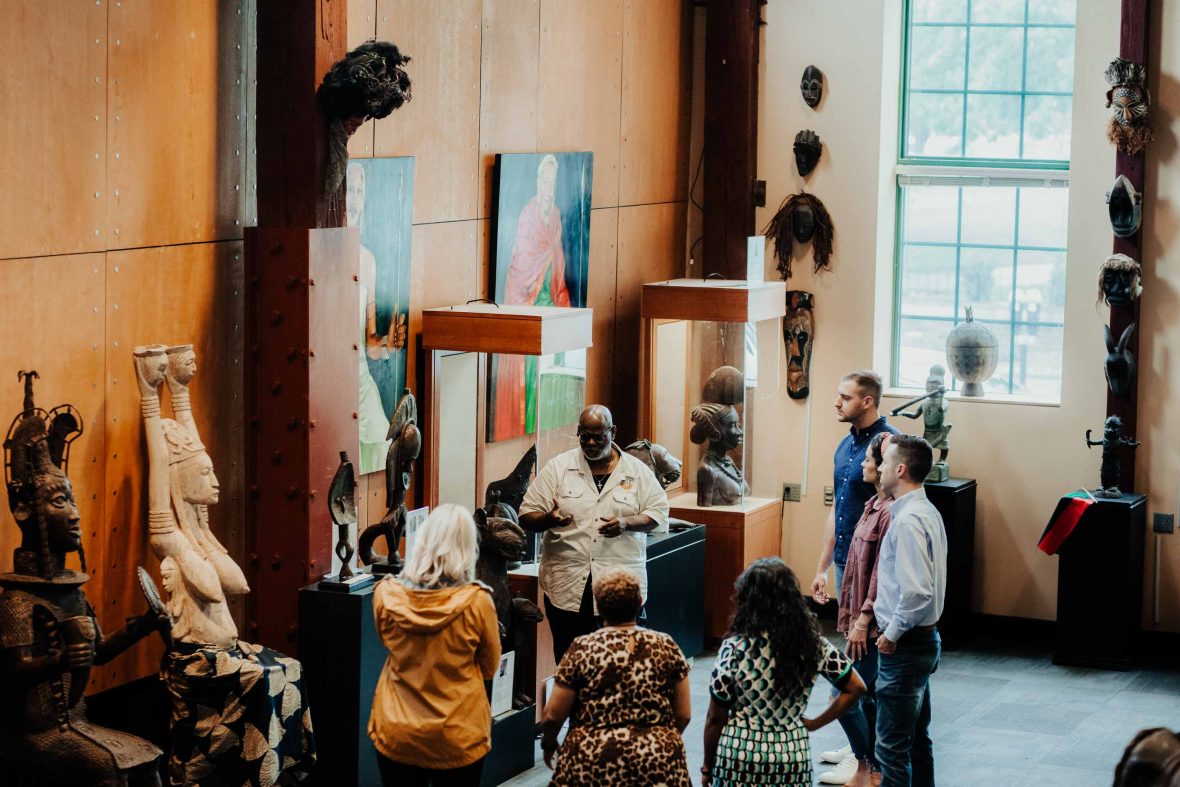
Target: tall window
x,y
987,96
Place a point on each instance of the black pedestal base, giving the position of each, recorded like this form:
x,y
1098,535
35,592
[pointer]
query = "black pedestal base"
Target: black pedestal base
x,y
955,500
513,746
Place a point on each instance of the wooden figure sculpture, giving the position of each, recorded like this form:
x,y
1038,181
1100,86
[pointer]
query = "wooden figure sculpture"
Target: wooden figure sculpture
x,y
404,447
49,633
239,712
342,510
502,541
1112,440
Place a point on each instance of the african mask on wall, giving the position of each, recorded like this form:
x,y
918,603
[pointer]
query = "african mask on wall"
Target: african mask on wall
x,y
1120,362
808,150
803,218
1126,207
1120,281
812,86
798,336
1129,99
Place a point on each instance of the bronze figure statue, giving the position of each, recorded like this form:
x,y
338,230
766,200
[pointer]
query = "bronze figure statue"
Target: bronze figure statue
x,y
501,542
665,466
404,447
932,408
1112,440
49,633
239,711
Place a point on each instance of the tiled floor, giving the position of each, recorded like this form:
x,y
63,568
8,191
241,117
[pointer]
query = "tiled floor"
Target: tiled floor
x,y
1003,716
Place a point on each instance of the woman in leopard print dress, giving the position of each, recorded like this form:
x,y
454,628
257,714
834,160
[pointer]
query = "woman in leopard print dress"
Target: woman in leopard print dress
x,y
755,732
627,689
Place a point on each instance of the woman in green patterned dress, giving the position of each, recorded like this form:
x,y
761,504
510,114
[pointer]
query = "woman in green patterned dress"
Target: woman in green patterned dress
x,y
755,732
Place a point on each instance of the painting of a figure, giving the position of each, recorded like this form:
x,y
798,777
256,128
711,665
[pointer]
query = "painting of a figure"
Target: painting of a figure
x,y
380,203
542,259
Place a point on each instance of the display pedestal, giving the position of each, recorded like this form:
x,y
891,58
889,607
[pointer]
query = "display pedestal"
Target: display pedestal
x,y
734,537
513,749
1100,585
675,597
955,500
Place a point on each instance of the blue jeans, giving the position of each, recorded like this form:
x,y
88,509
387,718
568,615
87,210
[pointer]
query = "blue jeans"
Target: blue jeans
x,y
904,750
859,721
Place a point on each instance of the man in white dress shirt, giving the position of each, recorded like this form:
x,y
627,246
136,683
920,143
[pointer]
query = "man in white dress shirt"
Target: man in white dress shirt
x,y
594,505
911,585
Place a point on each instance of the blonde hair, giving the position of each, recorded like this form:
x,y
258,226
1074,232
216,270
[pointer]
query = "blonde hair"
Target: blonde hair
x,y
445,549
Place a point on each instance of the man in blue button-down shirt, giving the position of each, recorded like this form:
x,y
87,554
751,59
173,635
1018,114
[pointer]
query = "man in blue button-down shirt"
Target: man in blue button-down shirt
x,y
911,585
857,399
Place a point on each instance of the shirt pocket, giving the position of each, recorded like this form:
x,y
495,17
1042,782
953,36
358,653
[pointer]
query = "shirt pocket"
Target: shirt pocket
x,y
624,501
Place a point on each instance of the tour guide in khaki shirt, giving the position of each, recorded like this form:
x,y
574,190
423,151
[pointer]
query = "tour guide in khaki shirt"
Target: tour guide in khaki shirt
x,y
594,505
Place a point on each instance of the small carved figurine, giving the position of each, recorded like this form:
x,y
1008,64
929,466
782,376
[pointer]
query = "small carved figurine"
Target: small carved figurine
x,y
1120,363
239,712
799,336
932,407
404,447
502,541
1130,127
719,481
342,509
812,86
1120,281
511,490
808,150
665,466
49,633
1112,440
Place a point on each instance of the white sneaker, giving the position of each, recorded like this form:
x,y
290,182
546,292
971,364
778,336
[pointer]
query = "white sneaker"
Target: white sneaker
x,y
837,756
842,773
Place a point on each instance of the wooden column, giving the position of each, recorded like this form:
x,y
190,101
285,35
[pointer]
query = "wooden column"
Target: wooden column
x,y
301,320
731,133
1132,46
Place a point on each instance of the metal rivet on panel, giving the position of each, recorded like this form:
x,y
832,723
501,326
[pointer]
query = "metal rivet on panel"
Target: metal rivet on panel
x,y
276,386
276,456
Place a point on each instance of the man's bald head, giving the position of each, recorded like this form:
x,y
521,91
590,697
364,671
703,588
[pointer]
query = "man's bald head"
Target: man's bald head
x,y
596,432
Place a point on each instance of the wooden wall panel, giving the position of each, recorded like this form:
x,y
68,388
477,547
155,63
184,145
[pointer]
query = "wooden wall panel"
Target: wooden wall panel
x,y
509,72
657,82
169,295
651,248
53,128
440,126
362,25
177,138
52,312
580,86
600,296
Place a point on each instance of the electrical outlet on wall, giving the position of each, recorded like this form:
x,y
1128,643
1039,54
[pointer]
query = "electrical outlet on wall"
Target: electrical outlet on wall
x,y
792,492
829,495
1163,523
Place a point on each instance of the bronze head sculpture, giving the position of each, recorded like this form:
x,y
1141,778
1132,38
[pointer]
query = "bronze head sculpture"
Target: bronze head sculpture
x,y
1120,281
665,466
719,480
808,150
1129,99
798,337
801,218
49,633
812,86
404,447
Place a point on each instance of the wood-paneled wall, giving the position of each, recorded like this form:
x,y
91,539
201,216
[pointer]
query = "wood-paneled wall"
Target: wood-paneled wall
x,y
127,138
126,189
524,76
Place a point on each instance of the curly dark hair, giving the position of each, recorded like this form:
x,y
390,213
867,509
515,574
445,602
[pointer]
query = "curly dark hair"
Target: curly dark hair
x,y
1151,759
768,604
618,595
370,81
780,228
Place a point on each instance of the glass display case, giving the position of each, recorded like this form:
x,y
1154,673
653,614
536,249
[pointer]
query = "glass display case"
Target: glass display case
x,y
504,388
711,371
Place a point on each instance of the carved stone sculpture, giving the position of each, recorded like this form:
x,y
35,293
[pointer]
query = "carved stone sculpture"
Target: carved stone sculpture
x,y
1129,127
1125,205
719,481
808,150
812,86
799,336
502,542
1120,363
1120,281
665,466
972,353
932,408
404,447
49,633
239,713
1112,440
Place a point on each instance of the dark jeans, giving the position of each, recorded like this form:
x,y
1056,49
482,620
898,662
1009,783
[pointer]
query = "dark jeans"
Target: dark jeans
x,y
859,722
904,749
566,626
396,774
